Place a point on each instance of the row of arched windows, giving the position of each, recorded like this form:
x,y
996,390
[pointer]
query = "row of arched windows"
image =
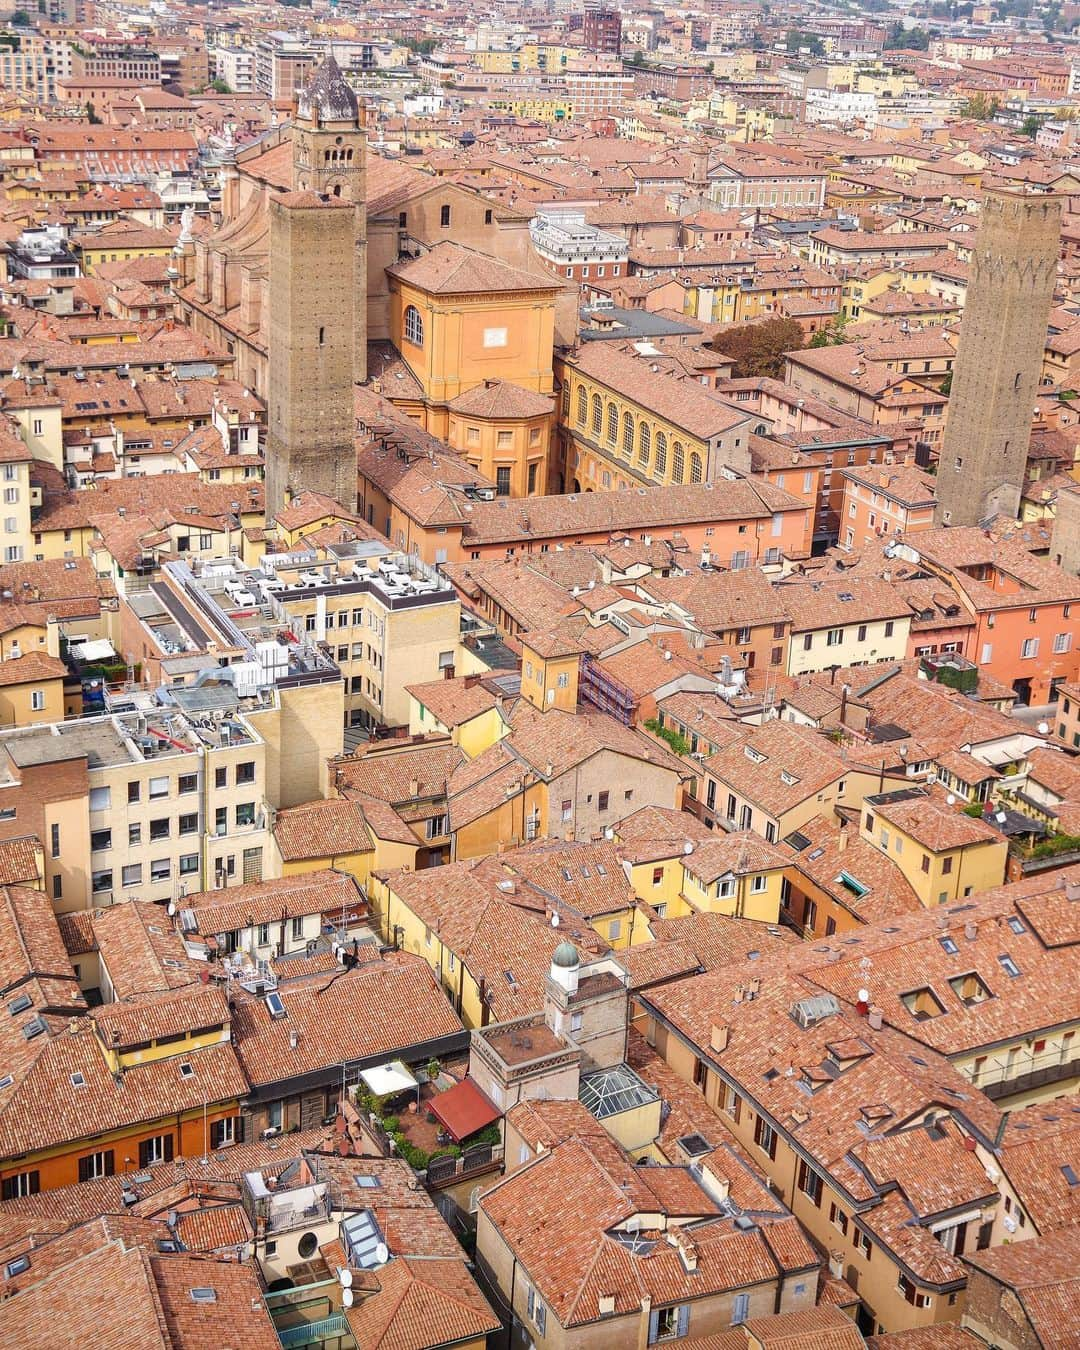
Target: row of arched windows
x,y
592,413
337,156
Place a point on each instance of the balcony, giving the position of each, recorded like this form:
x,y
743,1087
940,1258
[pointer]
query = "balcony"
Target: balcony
x,y
1041,1071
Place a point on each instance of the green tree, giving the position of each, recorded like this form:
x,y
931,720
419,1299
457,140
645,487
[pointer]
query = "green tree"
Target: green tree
x,y
21,19
1029,127
219,86
797,39
91,115
831,335
638,58
907,39
980,107
758,349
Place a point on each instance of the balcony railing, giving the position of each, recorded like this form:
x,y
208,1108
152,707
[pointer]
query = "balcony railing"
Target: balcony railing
x,y
444,1171
314,1333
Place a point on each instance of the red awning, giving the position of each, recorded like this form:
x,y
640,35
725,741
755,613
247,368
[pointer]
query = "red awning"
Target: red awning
x,y
462,1109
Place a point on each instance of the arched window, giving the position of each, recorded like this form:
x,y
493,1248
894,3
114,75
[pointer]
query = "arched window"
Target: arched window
x,y
612,423
661,453
677,466
597,413
695,467
644,444
414,326
582,405
444,216
627,434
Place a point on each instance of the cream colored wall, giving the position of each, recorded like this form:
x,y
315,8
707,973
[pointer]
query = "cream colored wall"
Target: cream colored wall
x,y
301,731
875,647
48,443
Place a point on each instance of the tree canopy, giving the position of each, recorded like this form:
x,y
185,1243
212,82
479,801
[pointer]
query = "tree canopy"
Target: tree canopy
x,y
757,349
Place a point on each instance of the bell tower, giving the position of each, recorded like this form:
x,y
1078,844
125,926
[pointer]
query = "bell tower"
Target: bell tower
x,y
328,138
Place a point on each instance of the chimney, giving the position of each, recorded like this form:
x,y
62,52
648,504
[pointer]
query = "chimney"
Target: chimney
x,y
643,1323
971,930
842,837
414,787
718,1040
875,1017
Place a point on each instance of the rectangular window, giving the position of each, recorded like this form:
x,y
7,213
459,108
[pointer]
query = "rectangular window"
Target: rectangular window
x,y
159,787
502,480
189,823
131,875
245,773
223,1132
161,870
602,801
100,799
669,1324
156,1150
102,1164
189,864
22,1183
187,782
135,834
160,829
245,813
100,840
298,927
809,1182
765,1137
1030,648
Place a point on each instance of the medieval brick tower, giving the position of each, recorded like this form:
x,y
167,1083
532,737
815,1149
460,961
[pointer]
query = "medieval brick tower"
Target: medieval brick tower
x,y
318,298
999,359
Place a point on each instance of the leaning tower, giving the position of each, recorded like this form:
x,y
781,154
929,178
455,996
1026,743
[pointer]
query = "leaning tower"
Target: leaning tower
x,y
318,298
999,359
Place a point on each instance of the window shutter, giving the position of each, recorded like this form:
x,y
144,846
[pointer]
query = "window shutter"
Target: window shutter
x,y
144,1153
684,1319
168,1148
740,1309
84,1169
541,1317
110,1162
654,1326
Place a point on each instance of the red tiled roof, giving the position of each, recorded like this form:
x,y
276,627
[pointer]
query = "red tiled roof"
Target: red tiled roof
x,y
463,1109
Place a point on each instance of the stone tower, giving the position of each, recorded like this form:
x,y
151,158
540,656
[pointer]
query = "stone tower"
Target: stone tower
x,y
318,299
999,359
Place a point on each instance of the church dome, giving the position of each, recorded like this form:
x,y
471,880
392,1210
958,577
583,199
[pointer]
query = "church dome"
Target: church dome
x,y
327,96
565,955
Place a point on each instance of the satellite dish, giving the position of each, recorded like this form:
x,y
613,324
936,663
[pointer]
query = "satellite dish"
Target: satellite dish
x,y
864,995
172,908
346,1298
382,1253
951,799
554,921
1043,728
345,1277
